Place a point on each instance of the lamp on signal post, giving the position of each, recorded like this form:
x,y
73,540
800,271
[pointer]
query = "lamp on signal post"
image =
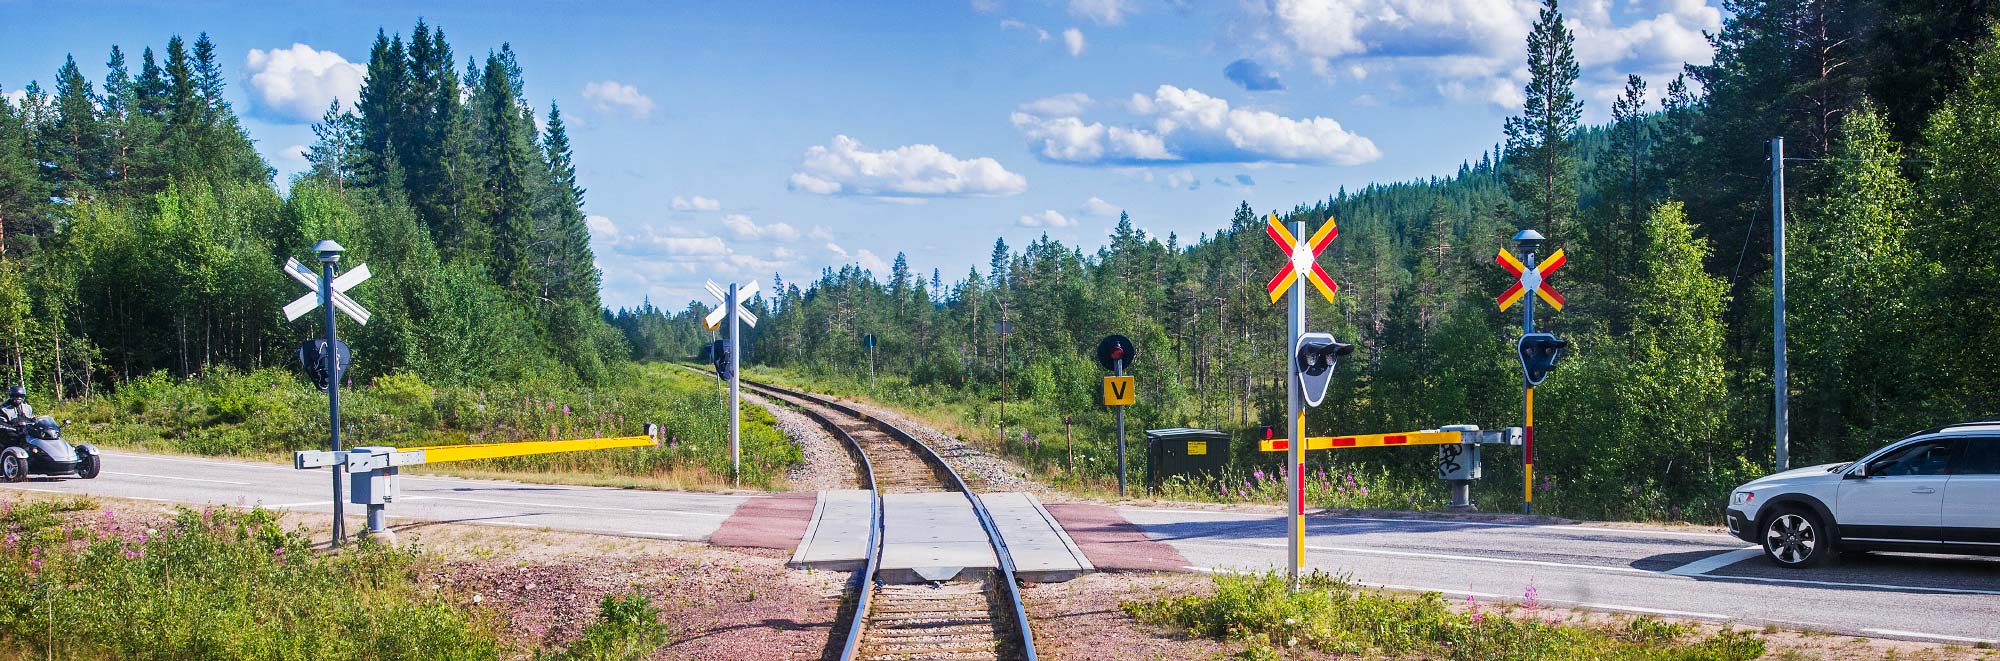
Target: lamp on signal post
x,y
329,254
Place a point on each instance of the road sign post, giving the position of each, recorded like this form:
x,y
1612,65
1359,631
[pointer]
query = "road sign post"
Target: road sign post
x,y
868,342
1302,266
1530,277
1114,352
329,293
734,315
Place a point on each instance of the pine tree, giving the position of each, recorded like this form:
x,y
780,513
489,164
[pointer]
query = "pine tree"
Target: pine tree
x,y
380,105
1542,159
75,143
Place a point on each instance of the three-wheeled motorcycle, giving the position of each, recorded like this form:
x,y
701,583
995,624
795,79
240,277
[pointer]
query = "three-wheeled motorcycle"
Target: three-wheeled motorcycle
x,y
38,448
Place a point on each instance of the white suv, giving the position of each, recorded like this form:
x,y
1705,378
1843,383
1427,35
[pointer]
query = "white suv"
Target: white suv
x,y
1937,491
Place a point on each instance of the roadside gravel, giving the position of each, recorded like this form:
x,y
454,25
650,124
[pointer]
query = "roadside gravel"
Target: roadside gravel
x,y
827,465
984,472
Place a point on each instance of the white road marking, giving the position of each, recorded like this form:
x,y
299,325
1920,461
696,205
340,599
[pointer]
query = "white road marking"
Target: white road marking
x,y
1584,604
1932,636
182,479
511,523
208,462
33,489
304,504
1717,561
655,534
1611,568
1568,528
569,507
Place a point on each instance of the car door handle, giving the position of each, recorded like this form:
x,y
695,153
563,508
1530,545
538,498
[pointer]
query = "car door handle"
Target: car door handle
x,y
1923,490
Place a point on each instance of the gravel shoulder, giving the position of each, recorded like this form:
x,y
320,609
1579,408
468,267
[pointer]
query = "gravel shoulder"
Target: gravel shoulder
x,y
827,464
983,470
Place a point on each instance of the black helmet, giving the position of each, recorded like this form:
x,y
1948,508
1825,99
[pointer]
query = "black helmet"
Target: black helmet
x,y
17,392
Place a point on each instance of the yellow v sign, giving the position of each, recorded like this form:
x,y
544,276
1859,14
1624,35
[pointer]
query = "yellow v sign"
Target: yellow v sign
x,y
1118,391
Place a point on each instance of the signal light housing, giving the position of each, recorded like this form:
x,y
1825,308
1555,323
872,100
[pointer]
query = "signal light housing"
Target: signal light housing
x,y
1539,354
1317,354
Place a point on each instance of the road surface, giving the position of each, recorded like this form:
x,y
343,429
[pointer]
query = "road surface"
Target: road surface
x,y
1670,573
1678,574
602,510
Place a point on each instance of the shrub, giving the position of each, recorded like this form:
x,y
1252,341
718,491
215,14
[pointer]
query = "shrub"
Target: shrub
x,y
627,627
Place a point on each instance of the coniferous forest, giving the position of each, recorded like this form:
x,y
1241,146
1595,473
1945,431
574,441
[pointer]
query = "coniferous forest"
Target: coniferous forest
x,y
142,234
1890,111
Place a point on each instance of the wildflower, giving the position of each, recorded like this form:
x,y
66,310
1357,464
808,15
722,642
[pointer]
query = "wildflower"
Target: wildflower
x,y
1531,598
1259,474
35,563
1350,480
1364,492
108,515
133,555
13,539
565,409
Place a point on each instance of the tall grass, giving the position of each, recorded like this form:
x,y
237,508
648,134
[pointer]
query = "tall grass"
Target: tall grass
x,y
1330,615
215,584
271,411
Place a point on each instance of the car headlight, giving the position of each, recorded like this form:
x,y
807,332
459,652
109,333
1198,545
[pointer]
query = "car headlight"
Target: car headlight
x,y
1742,498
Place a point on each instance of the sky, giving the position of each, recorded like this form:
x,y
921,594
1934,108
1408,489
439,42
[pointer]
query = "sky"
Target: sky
x,y
733,141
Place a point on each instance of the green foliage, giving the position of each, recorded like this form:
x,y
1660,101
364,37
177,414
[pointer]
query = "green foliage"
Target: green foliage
x,y
627,627
1330,615
218,584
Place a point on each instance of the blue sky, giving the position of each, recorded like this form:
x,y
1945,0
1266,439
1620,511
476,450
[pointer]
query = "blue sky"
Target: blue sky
x,y
734,140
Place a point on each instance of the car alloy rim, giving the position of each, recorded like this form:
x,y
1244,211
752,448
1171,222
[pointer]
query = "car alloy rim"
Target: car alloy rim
x,y
1790,539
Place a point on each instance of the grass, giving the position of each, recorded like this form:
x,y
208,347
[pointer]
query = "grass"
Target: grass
x,y
1330,615
266,414
627,628
224,584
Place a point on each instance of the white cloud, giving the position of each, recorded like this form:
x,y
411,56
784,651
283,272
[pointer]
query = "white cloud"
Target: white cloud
x,y
1098,207
836,249
696,203
1047,218
16,97
298,83
910,171
741,227
601,225
1189,126
1011,24
295,154
611,94
1181,179
1470,49
1073,103
871,261
1104,12
1073,41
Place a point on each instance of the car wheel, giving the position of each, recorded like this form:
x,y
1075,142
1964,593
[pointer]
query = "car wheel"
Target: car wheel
x,y
1796,538
87,466
13,468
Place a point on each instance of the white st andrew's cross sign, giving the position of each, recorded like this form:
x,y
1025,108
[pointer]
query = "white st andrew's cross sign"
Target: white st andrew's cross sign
x,y
306,276
714,319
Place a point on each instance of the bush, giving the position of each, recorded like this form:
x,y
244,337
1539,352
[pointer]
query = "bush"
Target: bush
x,y
218,585
1329,614
627,627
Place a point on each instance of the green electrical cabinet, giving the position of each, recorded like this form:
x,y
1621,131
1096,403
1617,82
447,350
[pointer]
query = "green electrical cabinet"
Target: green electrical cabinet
x,y
1188,452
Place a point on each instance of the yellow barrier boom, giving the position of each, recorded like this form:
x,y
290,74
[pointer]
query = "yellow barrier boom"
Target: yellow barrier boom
x,y
1367,441
442,453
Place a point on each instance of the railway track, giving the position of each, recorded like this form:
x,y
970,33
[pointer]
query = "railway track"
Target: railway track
x,y
977,618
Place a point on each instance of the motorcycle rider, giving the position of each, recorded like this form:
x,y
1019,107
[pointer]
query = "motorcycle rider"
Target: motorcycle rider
x,y
16,413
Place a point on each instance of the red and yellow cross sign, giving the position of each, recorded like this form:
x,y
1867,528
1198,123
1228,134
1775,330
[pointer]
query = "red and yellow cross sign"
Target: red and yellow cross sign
x,y
1304,258
1535,279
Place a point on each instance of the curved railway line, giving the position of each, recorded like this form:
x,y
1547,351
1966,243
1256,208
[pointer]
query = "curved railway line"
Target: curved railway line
x,y
977,618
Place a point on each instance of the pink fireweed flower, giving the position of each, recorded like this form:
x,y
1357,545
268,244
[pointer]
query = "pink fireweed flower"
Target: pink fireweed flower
x,y
1259,474
1531,598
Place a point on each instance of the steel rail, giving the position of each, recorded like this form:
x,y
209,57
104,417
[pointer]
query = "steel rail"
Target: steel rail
x,y
953,481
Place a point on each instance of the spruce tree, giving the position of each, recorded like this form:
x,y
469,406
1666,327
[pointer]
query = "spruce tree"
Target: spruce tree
x,y
1541,157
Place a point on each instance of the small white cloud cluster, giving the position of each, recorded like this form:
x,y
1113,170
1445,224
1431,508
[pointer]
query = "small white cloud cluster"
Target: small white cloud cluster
x,y
696,203
1073,41
298,83
1189,126
1103,12
912,171
741,227
609,95
1047,218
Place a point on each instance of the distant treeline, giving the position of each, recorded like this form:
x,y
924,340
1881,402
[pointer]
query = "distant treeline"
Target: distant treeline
x,y
144,233
1892,108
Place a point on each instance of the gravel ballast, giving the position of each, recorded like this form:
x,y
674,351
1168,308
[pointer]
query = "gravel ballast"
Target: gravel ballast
x,y
985,471
827,465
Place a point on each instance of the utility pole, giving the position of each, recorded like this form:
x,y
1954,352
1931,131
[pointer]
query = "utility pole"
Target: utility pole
x,y
1780,376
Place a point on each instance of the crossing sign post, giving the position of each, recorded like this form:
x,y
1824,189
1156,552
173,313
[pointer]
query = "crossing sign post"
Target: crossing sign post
x,y
1301,266
329,293
731,312
1538,351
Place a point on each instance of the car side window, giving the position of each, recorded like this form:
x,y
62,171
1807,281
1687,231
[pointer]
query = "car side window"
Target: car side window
x,y
1924,458
1978,456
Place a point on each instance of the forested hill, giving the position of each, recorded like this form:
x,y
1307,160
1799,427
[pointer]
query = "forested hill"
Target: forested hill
x,y
143,232
1891,112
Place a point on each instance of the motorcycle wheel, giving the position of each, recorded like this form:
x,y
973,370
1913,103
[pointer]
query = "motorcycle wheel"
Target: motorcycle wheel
x,y
13,468
87,466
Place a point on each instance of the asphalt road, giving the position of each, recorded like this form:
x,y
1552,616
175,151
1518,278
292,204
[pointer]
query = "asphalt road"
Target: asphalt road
x,y
1679,574
602,510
